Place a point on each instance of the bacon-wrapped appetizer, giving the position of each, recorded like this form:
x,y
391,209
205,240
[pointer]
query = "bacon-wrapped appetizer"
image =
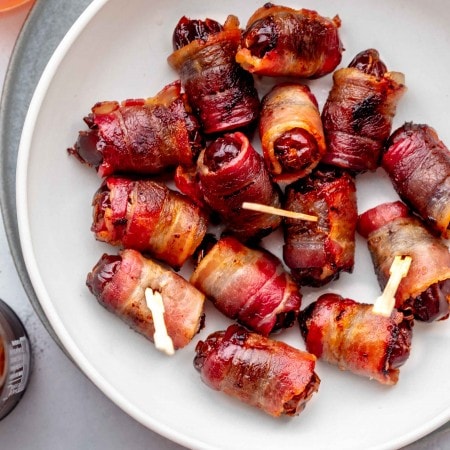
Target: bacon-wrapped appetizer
x,y
391,230
145,136
350,335
148,217
418,163
232,172
291,132
119,283
221,93
249,285
316,252
281,41
261,372
357,116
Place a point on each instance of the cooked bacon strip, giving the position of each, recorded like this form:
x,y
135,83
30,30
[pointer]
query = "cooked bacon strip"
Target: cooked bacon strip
x,y
357,116
391,230
221,93
148,217
261,372
119,283
316,252
418,163
281,41
351,336
291,132
145,136
249,285
232,172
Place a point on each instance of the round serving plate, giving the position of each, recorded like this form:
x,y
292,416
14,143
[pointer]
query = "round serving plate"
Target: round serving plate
x,y
114,53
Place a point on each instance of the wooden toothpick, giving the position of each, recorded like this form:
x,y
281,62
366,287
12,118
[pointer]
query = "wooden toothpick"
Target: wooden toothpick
x,y
163,341
278,211
385,303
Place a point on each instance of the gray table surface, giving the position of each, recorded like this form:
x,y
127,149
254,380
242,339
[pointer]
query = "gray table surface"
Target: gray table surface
x,y
61,408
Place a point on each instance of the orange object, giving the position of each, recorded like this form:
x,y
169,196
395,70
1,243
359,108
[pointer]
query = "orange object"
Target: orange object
x,y
6,5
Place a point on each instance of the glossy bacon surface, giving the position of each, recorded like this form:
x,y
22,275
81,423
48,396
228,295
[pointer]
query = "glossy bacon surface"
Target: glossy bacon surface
x,y
316,252
231,172
291,131
357,116
249,285
119,282
418,163
144,136
148,217
391,230
282,41
220,92
261,372
351,336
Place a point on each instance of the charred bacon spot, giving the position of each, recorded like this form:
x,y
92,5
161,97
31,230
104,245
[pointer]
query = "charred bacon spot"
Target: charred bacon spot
x,y
364,111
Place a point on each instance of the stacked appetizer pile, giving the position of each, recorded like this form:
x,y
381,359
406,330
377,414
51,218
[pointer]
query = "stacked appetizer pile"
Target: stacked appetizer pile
x,y
226,196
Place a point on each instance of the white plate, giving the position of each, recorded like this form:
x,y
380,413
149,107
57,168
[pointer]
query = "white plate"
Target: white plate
x,y
118,50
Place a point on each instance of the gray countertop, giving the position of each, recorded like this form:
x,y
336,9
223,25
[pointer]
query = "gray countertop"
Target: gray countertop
x,y
61,407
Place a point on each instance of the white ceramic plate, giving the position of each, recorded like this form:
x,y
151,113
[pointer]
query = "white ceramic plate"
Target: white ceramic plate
x,y
118,50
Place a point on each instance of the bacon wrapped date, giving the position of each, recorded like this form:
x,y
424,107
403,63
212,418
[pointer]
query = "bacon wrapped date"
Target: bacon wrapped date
x,y
222,94
119,283
281,41
231,172
291,132
418,163
148,217
144,136
351,336
357,116
261,372
249,285
316,252
392,231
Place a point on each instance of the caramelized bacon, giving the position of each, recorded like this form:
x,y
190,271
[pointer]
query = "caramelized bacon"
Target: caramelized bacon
x,y
291,132
119,282
357,116
418,163
261,372
316,252
281,41
148,217
249,285
390,231
231,172
145,136
221,93
351,336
